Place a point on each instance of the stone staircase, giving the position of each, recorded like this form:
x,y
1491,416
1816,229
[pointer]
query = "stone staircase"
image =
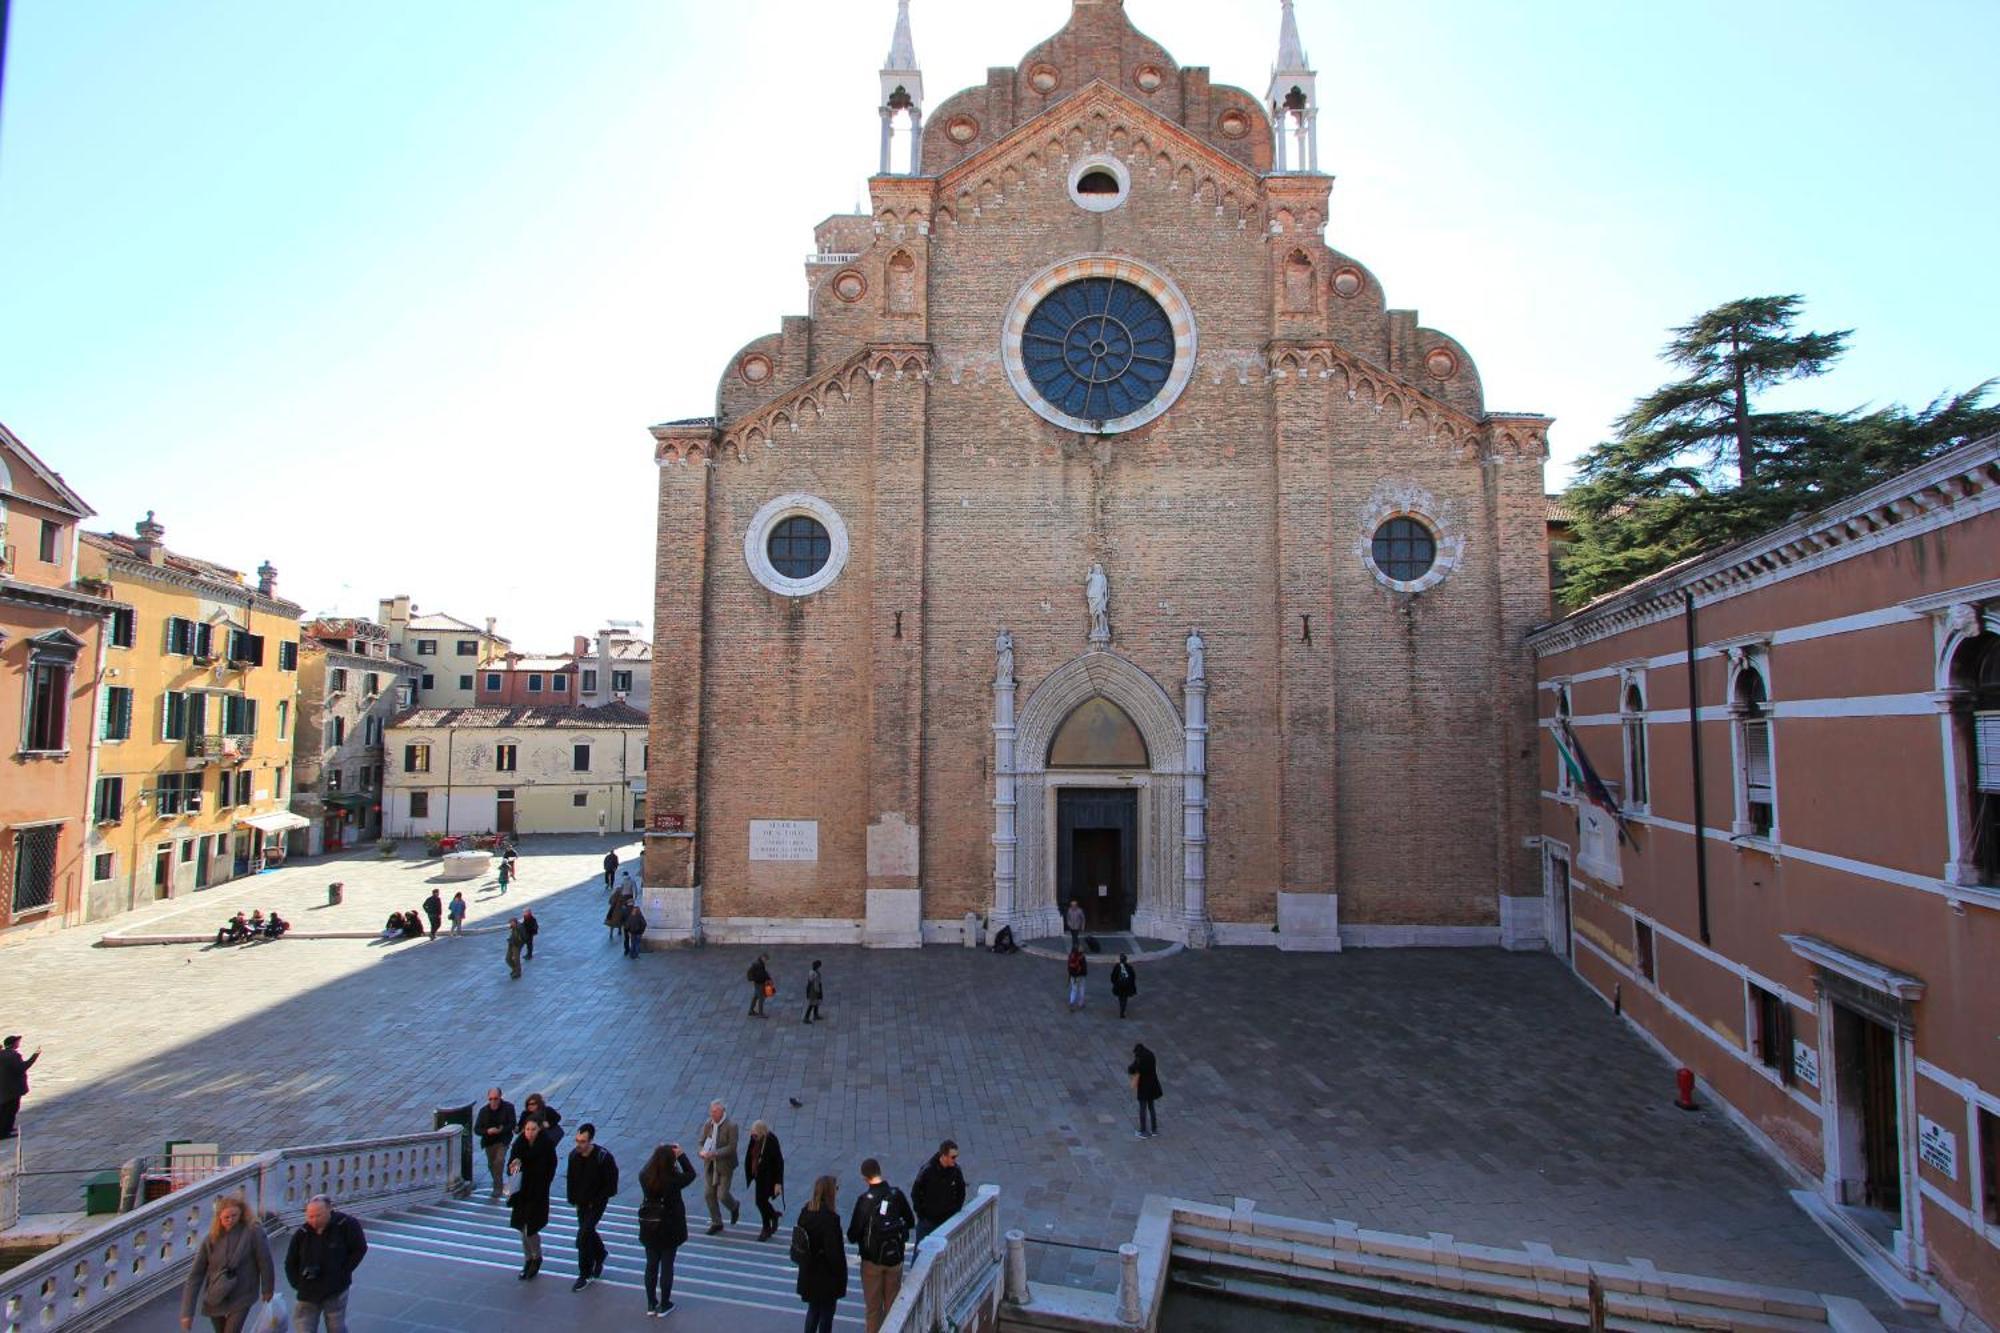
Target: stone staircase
x,y
713,1274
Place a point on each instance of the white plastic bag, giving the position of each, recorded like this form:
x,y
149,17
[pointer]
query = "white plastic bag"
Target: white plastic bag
x,y
276,1317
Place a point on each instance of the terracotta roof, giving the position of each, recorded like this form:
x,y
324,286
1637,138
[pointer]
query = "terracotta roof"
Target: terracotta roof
x,y
1559,510
688,421
436,620
631,650
517,719
120,544
532,664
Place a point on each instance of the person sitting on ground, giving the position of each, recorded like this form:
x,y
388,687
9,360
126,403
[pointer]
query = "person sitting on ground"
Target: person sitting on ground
x,y
393,926
413,925
275,925
233,931
257,921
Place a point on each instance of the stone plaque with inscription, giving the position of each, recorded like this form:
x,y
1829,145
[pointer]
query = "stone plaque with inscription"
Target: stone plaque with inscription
x,y
784,840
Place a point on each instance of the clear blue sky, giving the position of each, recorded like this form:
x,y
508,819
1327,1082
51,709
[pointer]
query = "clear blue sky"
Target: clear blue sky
x,y
387,292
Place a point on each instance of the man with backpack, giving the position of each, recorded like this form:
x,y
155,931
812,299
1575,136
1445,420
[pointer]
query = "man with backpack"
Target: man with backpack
x,y
880,1227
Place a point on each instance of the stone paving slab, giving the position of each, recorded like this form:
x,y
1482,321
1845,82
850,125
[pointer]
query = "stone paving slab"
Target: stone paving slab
x,y
1475,1092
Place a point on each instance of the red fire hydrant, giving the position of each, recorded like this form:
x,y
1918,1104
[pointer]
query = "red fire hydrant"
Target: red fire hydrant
x,y
1684,1079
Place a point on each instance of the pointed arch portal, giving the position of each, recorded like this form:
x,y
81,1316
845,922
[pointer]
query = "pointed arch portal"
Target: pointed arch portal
x,y
1094,788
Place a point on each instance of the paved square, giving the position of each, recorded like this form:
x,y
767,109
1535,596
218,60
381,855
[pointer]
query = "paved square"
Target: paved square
x,y
1468,1091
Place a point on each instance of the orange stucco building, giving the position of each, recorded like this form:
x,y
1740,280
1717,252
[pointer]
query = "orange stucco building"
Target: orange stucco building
x,y
1800,901
51,654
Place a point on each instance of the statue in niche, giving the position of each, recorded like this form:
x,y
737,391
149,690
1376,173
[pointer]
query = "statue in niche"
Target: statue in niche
x,y
1003,647
1197,657
1097,596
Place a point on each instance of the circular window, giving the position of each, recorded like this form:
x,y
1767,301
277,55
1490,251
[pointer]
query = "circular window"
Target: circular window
x,y
850,285
1098,183
755,368
1099,345
961,129
1233,124
1044,78
1149,78
1404,549
1098,348
796,545
1347,283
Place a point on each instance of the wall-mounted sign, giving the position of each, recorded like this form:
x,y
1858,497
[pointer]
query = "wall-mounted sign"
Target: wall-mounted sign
x,y
784,840
1937,1147
1805,1063
669,821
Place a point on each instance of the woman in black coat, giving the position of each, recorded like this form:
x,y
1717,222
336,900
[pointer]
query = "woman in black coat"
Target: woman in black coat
x,y
823,1273
663,1223
1145,1075
532,1161
764,1173
535,1108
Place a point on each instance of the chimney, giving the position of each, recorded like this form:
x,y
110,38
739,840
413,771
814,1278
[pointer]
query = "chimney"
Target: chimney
x,y
579,647
393,611
489,629
149,547
267,579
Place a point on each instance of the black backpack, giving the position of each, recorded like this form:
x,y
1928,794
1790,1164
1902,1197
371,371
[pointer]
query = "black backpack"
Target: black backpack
x,y
882,1239
803,1249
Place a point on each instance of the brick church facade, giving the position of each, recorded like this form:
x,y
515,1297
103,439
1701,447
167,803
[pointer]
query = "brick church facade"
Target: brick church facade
x,y
1099,533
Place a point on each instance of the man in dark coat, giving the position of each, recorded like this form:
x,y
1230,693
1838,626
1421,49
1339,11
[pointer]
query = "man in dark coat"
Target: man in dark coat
x,y
593,1180
939,1190
320,1264
1144,1073
529,929
493,1127
764,1173
881,1223
434,909
610,868
635,930
1124,983
13,1082
760,977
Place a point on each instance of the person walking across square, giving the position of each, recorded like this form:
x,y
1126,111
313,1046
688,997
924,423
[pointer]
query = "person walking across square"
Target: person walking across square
x,y
434,911
515,939
610,868
815,992
532,1160
493,1127
1124,983
820,1255
1078,969
880,1228
760,985
635,930
593,1180
529,929
1073,921
1144,1073
456,911
232,1269
718,1157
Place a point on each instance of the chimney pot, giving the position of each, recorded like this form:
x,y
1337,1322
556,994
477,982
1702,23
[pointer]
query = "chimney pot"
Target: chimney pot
x,y
267,579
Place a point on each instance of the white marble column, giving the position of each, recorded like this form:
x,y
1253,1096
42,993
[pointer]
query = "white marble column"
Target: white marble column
x,y
1006,910
1194,799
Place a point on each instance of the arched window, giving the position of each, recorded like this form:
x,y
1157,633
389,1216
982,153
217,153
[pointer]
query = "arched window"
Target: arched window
x,y
1976,672
1097,734
1756,781
1633,718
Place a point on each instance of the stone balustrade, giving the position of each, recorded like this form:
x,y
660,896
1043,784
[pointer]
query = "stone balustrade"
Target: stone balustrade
x,y
957,1271
87,1282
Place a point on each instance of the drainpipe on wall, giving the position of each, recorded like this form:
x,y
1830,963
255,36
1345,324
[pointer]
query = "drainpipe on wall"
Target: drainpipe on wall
x,y
1694,743
450,738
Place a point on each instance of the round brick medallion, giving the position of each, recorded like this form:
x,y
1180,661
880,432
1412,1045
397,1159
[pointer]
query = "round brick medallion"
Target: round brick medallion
x,y
1148,78
754,368
849,285
1233,123
1441,364
1347,283
961,129
1044,78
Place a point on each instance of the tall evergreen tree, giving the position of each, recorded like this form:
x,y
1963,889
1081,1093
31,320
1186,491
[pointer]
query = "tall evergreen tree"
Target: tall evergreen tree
x,y
1694,464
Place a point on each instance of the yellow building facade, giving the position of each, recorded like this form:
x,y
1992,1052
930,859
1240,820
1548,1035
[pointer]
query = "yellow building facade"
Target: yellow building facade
x,y
196,722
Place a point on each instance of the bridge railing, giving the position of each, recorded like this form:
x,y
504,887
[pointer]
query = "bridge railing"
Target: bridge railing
x,y
957,1270
85,1283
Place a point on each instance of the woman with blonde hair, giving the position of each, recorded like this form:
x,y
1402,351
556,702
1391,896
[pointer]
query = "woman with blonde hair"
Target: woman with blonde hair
x,y
821,1254
232,1269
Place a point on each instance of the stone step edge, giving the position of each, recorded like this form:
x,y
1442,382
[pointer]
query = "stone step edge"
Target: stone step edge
x,y
562,1263
1286,1297
1322,1241
1857,1246
778,1266
1390,1294
1293,1261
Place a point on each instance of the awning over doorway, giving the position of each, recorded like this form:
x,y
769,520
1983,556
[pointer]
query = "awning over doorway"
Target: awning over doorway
x,y
349,800
277,821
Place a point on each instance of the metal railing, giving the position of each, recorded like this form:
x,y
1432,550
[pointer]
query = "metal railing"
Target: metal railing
x,y
957,1270
822,257
86,1283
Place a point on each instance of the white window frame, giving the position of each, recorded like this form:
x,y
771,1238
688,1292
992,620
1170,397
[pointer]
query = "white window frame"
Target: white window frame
x,y
757,544
1745,660
1957,626
1637,743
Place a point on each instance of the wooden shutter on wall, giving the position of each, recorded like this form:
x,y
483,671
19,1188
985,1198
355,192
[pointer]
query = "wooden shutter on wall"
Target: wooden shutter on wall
x,y
1757,759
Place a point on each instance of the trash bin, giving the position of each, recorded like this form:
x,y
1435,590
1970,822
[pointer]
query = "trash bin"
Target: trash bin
x,y
100,1193
462,1117
333,893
